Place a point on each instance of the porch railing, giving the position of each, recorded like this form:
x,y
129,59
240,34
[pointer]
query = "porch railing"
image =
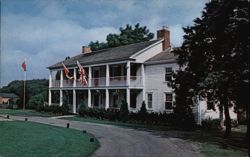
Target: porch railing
x,y
118,81
68,83
135,81
55,83
100,81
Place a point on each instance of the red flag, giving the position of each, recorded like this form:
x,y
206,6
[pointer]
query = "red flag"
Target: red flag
x,y
66,72
82,73
24,66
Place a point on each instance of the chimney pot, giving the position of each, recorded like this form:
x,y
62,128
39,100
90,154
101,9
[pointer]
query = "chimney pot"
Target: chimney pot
x,y
165,34
86,49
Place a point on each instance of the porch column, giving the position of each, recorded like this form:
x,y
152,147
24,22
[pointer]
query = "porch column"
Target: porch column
x,y
50,85
61,79
50,79
74,84
107,99
49,97
74,101
90,76
128,98
61,97
128,73
89,98
143,82
107,75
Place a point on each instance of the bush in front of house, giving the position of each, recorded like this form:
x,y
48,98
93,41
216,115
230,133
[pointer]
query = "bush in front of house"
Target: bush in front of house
x,y
124,111
35,101
142,115
211,124
83,109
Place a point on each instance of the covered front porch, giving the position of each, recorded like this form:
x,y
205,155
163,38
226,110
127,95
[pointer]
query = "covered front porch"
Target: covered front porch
x,y
98,98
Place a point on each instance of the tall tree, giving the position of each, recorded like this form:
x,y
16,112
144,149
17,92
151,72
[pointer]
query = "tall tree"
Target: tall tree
x,y
127,35
215,53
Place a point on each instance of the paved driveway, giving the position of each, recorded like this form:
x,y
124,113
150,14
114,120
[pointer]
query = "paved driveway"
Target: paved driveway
x,y
125,142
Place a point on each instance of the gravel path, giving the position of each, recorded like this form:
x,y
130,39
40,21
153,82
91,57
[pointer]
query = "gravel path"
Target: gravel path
x,y
125,142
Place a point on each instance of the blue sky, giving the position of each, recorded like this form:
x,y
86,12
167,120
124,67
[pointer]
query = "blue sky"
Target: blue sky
x,y
46,31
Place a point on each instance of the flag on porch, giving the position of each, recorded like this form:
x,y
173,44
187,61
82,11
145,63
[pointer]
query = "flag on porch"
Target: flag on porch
x,y
82,74
67,72
24,66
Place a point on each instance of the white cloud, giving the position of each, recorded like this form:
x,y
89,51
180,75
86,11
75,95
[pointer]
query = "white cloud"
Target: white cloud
x,y
43,42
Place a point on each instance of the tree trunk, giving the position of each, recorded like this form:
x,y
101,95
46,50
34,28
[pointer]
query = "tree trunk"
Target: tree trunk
x,y
227,118
248,127
221,117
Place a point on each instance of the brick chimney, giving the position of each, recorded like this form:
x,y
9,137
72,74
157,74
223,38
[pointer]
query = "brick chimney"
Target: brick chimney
x,y
165,34
86,49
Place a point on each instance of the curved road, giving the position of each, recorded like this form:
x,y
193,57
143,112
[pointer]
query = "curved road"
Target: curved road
x,y
126,142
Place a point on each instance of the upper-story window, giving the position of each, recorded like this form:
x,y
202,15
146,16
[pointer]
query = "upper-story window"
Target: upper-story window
x,y
168,101
168,74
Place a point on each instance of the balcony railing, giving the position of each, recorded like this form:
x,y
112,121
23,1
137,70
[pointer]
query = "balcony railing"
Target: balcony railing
x,y
118,81
135,81
100,81
79,84
55,83
68,83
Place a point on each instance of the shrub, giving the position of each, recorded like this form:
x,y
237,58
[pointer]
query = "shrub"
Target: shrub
x,y
211,124
124,111
35,101
143,112
83,109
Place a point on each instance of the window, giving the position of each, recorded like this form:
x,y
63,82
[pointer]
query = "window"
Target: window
x,y
150,100
168,74
168,101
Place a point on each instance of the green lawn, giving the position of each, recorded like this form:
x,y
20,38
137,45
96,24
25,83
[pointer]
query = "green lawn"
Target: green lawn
x,y
21,112
118,123
27,139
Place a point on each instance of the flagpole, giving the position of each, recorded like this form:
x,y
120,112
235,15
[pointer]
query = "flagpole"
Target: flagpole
x,y
24,84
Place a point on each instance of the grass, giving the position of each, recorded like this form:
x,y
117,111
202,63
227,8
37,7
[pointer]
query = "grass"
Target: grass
x,y
118,123
21,112
212,150
29,139
210,143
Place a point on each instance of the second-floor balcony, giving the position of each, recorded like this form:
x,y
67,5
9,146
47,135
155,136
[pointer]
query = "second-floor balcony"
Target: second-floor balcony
x,y
135,81
110,75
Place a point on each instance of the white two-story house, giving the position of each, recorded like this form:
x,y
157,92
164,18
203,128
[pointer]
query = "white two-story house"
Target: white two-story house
x,y
133,73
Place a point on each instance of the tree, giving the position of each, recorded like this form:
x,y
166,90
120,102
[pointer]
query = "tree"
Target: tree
x,y
128,35
215,53
35,101
34,87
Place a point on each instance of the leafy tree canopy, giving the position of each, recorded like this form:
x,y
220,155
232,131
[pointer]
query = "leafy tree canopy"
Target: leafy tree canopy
x,y
37,88
215,54
127,35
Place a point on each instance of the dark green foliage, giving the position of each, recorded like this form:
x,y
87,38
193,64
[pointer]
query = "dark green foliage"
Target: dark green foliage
x,y
211,124
215,53
143,112
168,119
65,106
33,88
36,100
124,111
128,35
82,108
